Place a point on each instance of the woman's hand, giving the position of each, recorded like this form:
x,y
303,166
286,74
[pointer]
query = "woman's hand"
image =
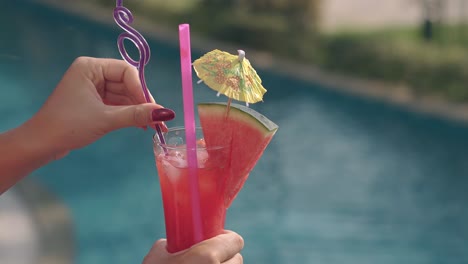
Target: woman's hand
x,y
94,97
224,248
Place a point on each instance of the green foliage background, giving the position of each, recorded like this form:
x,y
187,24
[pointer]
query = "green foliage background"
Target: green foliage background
x,y
291,29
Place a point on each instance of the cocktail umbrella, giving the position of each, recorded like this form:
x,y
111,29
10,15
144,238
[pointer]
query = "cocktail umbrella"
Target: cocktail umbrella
x,y
230,75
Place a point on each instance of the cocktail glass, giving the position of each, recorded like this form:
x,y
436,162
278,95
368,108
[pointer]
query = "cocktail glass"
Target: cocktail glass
x,y
213,169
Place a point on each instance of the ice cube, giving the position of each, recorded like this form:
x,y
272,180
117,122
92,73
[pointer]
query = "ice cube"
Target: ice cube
x,y
180,154
177,161
202,157
201,143
175,141
172,172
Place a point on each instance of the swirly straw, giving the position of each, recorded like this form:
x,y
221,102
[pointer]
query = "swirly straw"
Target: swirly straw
x,y
123,17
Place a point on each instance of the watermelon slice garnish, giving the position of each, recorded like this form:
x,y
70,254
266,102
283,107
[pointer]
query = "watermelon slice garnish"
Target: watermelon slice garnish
x,y
246,131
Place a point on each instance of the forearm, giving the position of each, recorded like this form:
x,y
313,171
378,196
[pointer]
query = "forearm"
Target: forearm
x,y
21,152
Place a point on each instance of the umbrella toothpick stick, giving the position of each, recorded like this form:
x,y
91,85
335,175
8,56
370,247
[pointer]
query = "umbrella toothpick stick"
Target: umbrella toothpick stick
x,y
228,107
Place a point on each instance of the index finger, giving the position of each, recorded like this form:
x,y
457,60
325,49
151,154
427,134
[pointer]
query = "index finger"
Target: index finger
x,y
121,72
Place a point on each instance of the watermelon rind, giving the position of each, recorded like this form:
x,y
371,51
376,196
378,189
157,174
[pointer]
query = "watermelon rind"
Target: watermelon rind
x,y
243,112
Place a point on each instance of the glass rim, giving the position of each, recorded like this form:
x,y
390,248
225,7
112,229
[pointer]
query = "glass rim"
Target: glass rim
x,y
182,128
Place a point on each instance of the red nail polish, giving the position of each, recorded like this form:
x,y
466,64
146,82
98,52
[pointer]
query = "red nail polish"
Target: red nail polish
x,y
162,114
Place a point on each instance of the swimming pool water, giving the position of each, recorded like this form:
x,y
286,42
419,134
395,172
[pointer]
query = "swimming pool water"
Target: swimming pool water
x,y
345,180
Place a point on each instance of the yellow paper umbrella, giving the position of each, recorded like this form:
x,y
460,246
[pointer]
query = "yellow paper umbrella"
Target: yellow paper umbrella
x,y
230,75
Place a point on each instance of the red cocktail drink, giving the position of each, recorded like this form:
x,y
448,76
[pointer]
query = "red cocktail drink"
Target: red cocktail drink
x,y
236,137
212,171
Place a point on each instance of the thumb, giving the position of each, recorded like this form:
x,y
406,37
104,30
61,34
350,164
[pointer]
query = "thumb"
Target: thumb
x,y
139,115
157,253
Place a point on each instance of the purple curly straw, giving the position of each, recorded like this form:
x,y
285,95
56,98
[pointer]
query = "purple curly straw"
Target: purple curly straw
x,y
123,17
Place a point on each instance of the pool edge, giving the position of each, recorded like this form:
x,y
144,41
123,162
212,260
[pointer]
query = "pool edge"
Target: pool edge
x,y
53,222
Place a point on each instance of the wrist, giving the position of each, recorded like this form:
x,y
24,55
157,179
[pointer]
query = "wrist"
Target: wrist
x,y
37,140
21,153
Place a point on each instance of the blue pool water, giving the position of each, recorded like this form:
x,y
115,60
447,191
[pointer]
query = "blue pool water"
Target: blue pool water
x,y
345,180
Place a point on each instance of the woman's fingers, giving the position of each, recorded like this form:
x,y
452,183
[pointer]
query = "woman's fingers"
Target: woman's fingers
x,y
237,259
119,88
105,73
128,77
157,253
223,247
136,115
151,97
116,99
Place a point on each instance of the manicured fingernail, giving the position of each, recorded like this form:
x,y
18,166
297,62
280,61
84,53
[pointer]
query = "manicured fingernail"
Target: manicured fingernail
x,y
162,114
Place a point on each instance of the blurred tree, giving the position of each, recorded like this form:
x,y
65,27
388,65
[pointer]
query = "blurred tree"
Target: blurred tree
x,y
432,13
462,19
218,3
280,26
301,15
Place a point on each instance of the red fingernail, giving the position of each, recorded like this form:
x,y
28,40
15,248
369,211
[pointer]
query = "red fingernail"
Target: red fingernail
x,y
162,114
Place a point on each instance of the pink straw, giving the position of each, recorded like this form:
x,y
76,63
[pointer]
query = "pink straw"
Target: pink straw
x,y
189,121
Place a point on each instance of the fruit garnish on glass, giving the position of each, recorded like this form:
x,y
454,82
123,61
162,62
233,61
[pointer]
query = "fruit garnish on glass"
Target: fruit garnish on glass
x,y
231,140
